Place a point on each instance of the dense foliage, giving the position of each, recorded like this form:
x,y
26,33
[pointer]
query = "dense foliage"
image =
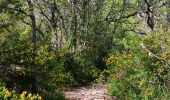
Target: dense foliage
x,y
49,45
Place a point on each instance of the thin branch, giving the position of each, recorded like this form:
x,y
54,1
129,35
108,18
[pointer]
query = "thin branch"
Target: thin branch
x,y
42,12
18,10
150,53
61,17
147,2
153,55
39,31
123,17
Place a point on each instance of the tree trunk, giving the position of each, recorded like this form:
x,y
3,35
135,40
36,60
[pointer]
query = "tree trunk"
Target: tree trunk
x,y
74,23
54,26
33,25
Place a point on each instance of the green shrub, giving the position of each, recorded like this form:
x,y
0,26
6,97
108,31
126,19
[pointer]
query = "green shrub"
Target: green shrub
x,y
82,69
137,74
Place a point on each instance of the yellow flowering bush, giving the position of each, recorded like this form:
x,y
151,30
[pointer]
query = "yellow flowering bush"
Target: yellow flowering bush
x,y
28,96
6,94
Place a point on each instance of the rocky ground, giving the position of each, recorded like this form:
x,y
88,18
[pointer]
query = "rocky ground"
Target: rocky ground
x,y
91,92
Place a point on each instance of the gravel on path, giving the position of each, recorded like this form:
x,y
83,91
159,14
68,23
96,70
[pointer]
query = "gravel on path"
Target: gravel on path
x,y
92,92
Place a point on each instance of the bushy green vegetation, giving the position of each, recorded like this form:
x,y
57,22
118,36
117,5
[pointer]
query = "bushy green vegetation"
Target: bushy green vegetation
x,y
47,46
142,72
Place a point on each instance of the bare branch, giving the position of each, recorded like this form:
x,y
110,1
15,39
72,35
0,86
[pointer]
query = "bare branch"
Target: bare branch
x,y
123,17
42,12
18,10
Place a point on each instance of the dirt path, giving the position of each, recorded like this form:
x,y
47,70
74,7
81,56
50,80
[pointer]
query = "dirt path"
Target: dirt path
x,y
92,92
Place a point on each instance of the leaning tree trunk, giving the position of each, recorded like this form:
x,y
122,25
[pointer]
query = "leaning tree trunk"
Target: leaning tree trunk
x,y
33,25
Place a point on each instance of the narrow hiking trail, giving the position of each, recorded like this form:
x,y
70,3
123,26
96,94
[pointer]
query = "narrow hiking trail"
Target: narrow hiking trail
x,y
91,92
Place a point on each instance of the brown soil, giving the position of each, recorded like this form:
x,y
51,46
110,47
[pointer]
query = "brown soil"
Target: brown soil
x,y
91,92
